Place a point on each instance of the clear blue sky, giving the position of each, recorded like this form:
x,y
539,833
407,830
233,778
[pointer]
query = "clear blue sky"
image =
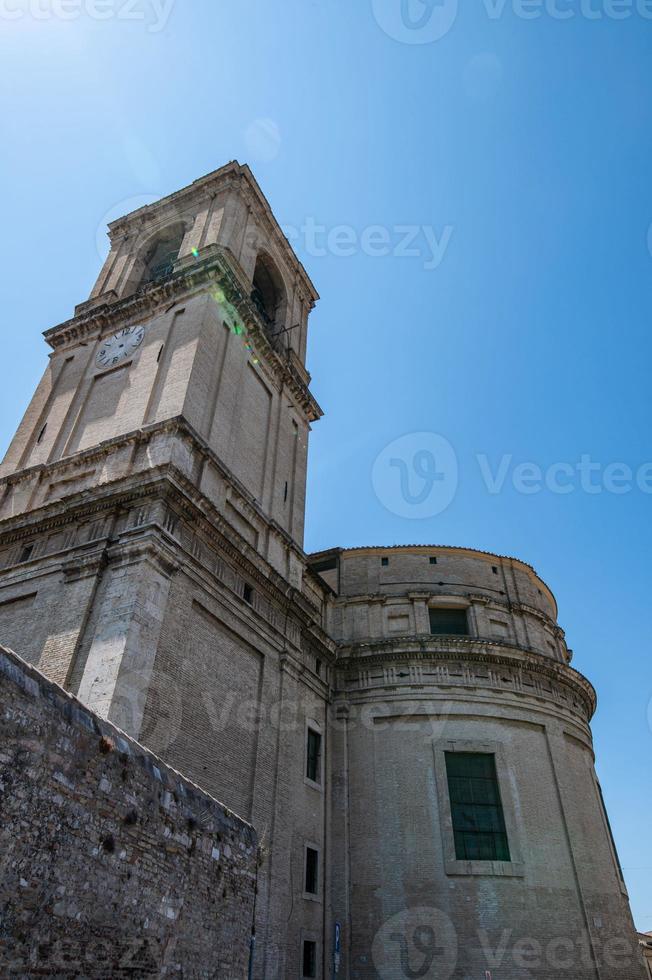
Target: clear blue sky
x,y
529,140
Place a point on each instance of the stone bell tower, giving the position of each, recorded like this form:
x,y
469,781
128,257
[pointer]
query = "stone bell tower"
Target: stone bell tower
x,y
152,512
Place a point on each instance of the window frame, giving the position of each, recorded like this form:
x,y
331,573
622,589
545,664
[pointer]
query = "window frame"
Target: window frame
x,y
462,610
315,849
452,865
474,808
305,939
316,729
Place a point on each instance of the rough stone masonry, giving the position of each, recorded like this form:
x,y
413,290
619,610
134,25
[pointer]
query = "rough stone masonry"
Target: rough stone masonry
x,y
111,863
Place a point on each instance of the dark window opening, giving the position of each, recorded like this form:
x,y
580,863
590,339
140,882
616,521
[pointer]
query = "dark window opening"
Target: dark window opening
x,y
26,553
160,259
41,434
313,762
312,871
309,958
449,622
494,569
268,293
158,356
285,492
248,594
433,561
476,808
384,562
318,666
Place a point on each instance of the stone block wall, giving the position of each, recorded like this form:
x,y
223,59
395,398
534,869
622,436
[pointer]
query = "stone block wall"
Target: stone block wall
x,y
111,863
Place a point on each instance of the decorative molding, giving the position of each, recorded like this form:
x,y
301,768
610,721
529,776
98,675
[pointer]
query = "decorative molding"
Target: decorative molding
x,y
455,662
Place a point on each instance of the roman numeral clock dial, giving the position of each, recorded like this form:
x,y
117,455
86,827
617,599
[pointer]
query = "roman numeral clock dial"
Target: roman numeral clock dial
x,y
120,347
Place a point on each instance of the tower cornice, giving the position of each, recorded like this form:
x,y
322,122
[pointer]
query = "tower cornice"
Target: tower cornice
x,y
215,270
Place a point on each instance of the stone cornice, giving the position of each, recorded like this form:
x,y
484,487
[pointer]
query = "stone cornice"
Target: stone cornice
x,y
167,484
96,454
212,270
362,656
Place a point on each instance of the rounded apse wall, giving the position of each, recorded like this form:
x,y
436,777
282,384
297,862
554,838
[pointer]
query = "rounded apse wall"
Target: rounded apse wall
x,y
466,808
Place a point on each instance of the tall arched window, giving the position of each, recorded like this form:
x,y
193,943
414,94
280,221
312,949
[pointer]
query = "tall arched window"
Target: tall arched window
x,y
159,259
268,294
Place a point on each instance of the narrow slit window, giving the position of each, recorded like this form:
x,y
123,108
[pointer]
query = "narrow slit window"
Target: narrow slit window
x,y
313,753
312,871
309,958
39,439
476,807
248,594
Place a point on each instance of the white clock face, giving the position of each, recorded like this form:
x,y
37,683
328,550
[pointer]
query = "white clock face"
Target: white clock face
x,y
120,347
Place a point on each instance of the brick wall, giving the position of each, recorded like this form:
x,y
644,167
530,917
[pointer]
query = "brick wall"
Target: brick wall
x,y
111,863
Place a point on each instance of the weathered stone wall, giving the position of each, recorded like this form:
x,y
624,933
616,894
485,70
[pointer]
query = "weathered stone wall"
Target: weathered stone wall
x,y
111,863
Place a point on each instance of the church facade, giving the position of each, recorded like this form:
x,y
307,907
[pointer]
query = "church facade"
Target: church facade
x,y
401,726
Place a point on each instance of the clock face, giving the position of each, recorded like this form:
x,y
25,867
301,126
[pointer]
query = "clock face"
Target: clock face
x,y
120,347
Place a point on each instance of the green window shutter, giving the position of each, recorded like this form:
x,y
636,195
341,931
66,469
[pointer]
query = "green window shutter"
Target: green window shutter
x,y
477,812
449,622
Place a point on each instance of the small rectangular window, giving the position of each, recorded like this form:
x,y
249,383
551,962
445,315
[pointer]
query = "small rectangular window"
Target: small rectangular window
x,y
312,871
449,622
309,958
248,594
433,561
313,761
318,666
476,808
384,562
494,569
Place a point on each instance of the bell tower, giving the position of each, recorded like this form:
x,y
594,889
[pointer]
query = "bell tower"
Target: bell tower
x,y
200,314
152,514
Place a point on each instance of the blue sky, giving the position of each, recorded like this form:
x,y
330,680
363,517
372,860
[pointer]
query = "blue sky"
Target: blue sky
x,y
521,146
